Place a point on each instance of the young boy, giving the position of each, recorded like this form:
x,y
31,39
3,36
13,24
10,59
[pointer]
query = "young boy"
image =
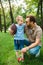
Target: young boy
x,y
19,37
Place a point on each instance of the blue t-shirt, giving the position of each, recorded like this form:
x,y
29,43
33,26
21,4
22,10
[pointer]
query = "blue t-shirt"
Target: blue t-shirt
x,y
20,32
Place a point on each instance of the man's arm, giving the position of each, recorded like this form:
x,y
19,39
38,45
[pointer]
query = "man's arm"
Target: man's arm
x,y
33,44
38,39
30,46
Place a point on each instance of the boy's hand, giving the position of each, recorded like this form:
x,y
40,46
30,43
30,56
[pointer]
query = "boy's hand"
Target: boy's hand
x,y
10,31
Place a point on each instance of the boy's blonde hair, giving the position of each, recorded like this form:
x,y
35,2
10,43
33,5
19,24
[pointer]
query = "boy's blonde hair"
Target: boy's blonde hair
x,y
19,18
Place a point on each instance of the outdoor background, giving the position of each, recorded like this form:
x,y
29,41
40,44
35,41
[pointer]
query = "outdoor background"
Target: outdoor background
x,y
9,10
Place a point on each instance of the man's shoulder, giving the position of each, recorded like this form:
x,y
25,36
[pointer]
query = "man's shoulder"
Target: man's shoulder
x,y
38,28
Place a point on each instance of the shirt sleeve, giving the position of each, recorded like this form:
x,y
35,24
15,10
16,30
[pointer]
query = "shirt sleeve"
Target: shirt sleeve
x,y
39,34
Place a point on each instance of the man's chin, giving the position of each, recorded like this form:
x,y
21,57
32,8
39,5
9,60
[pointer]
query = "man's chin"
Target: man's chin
x,y
28,26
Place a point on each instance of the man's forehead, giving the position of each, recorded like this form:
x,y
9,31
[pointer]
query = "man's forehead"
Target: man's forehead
x,y
27,19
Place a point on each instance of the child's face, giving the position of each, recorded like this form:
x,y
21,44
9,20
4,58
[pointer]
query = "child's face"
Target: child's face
x,y
19,20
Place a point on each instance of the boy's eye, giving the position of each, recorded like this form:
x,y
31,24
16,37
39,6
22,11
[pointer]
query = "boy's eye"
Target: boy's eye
x,y
21,20
18,19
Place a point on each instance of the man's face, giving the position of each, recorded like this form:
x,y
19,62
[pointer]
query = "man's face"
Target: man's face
x,y
28,23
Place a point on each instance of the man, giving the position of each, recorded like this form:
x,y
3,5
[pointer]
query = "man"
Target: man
x,y
34,34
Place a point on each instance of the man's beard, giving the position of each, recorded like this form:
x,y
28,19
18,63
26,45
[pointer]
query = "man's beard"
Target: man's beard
x,y
29,26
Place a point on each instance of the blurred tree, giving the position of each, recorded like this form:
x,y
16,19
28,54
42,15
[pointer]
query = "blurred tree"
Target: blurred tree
x,y
40,13
31,6
0,21
36,7
11,14
4,17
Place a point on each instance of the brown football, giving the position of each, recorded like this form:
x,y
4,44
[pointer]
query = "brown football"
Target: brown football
x,y
13,29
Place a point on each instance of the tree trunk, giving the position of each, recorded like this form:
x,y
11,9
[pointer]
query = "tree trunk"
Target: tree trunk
x,y
4,17
38,8
39,12
0,22
11,14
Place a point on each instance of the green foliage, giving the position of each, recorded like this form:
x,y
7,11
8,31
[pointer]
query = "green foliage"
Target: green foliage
x,y
31,8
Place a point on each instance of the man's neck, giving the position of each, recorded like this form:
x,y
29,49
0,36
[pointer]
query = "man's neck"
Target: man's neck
x,y
33,26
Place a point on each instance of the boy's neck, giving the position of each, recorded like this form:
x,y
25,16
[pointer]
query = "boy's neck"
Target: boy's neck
x,y
20,24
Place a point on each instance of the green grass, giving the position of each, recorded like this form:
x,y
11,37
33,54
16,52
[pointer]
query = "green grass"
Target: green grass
x,y
7,53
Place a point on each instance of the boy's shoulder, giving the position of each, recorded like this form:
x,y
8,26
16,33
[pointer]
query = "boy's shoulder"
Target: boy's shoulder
x,y
16,24
24,24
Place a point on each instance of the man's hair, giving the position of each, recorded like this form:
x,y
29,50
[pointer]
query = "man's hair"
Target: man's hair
x,y
32,18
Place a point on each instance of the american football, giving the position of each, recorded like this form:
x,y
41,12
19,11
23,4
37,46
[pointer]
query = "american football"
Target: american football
x,y
13,29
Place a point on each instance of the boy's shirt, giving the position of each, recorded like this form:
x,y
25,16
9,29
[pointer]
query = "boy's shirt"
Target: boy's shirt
x,y
20,32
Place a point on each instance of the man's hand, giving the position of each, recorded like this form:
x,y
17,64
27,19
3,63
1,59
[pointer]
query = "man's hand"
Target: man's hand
x,y
24,49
